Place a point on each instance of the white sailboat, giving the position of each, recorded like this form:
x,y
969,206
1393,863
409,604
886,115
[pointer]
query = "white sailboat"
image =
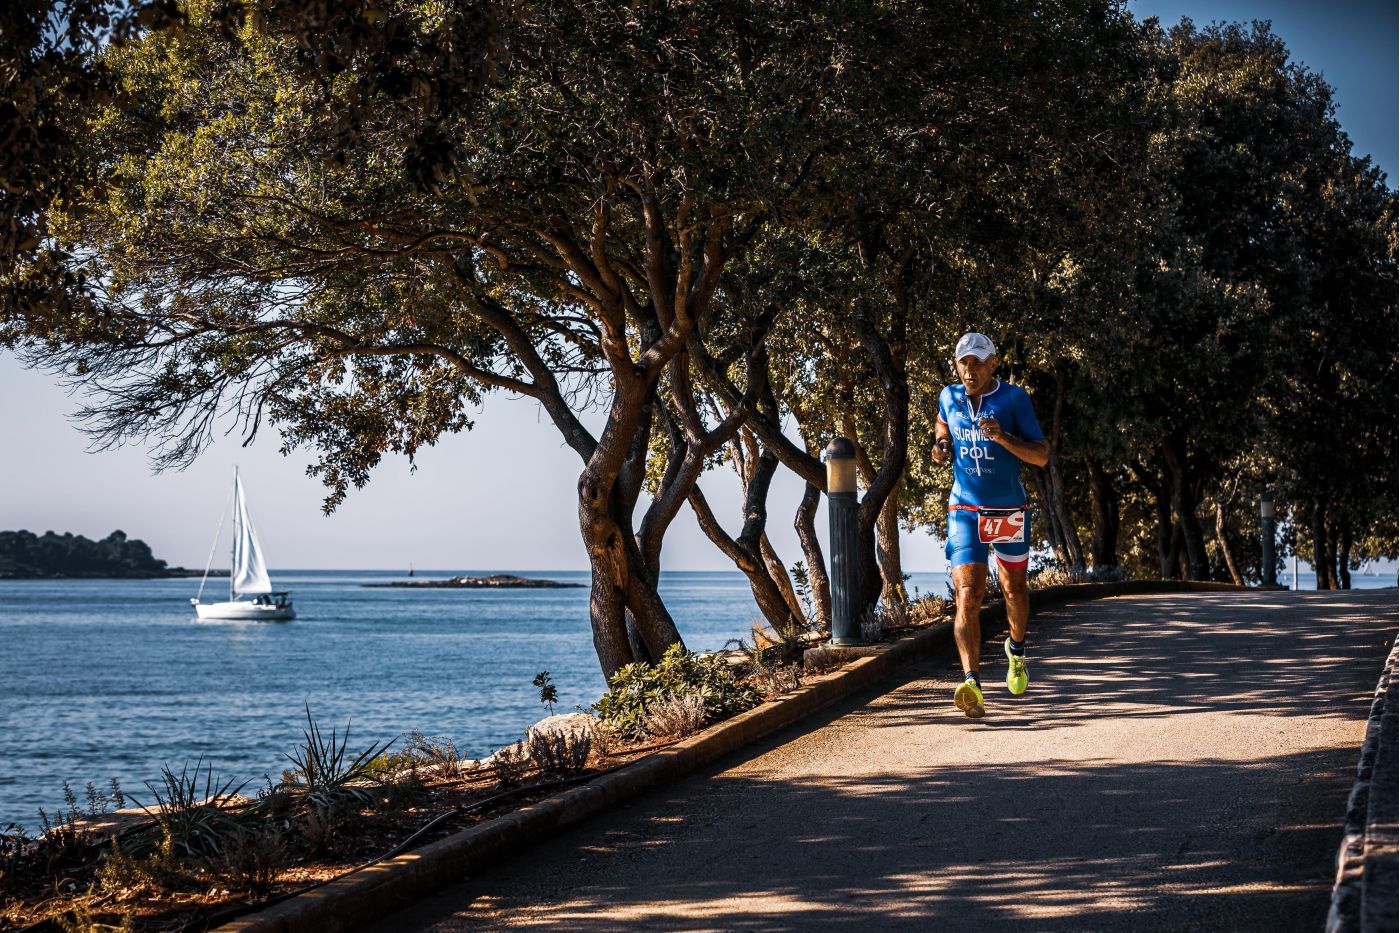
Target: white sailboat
x,y
248,576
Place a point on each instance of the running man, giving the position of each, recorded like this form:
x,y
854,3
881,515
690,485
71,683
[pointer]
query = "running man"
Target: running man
x,y
987,428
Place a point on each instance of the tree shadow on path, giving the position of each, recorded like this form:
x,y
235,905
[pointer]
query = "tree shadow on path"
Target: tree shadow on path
x,y
848,821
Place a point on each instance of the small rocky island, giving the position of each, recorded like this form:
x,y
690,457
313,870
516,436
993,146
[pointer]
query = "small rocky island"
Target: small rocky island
x,y
497,581
27,556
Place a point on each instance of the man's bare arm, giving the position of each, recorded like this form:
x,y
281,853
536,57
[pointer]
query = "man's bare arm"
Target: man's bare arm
x,y
1036,453
941,449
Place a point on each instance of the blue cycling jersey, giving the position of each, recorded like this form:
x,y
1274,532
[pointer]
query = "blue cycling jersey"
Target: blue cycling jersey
x,y
984,472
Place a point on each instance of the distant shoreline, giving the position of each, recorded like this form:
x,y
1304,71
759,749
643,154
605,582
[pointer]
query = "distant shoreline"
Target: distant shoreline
x,y
50,556
498,581
172,573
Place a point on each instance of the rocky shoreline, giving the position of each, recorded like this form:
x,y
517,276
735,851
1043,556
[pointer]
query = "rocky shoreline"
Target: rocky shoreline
x,y
498,581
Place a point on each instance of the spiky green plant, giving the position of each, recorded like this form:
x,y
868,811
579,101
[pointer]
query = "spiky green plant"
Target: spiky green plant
x,y
324,774
194,817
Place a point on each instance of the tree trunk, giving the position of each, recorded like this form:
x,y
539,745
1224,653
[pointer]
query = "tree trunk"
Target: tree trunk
x,y
1222,536
1180,569
806,525
1321,564
1344,555
887,551
1103,497
779,573
607,560
766,593
894,385
1052,519
1151,479
621,585
886,525
1184,502
1332,535
1058,504
1168,537
645,610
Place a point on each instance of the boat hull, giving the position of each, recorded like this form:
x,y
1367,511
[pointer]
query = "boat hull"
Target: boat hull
x,y
243,611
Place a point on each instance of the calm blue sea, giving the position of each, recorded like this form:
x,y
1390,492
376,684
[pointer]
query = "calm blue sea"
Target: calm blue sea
x,y
114,678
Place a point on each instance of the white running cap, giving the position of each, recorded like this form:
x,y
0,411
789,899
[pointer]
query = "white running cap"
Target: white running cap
x,y
975,344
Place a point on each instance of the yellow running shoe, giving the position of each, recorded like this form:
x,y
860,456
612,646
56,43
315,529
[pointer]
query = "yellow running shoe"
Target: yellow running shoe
x,y
1016,676
968,698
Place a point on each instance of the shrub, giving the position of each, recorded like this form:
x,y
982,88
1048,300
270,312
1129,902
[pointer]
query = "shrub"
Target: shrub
x,y
63,841
1054,573
15,842
318,826
775,680
637,687
123,876
678,715
930,609
872,626
417,750
510,764
549,693
802,586
560,751
250,860
191,821
895,614
786,644
324,775
603,737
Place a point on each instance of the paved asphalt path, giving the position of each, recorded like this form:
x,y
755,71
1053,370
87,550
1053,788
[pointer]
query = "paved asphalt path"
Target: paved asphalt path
x,y
1179,763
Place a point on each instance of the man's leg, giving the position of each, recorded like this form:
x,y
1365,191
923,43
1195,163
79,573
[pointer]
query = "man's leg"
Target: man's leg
x,y
970,586
1012,573
968,559
1018,596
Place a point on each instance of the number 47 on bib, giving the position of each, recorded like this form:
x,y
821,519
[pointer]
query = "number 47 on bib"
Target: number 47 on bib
x,y
1001,526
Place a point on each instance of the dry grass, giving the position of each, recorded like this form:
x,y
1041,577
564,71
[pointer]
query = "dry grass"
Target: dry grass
x,y
773,681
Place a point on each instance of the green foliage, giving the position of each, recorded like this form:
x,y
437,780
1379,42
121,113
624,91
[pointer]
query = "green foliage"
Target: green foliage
x,y
549,694
802,585
637,687
194,818
15,843
325,775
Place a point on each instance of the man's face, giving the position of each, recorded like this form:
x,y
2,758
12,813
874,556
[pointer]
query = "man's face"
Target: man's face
x,y
976,374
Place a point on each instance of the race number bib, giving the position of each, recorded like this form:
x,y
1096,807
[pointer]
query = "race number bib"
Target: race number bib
x,y
1001,526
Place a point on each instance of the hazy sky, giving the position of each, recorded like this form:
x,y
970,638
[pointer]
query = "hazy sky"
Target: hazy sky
x,y
501,496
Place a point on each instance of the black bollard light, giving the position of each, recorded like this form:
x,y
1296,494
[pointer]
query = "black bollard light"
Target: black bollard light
x,y
840,456
1266,531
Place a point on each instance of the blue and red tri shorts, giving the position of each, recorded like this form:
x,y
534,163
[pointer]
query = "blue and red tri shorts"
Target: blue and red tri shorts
x,y
975,531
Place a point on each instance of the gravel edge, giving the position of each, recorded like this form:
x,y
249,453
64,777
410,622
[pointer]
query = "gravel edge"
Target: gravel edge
x,y
362,896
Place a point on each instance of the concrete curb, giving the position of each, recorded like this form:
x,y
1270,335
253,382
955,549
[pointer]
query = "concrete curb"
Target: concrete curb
x,y
365,895
1352,904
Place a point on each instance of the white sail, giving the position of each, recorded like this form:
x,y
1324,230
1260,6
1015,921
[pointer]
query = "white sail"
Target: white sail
x,y
249,568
